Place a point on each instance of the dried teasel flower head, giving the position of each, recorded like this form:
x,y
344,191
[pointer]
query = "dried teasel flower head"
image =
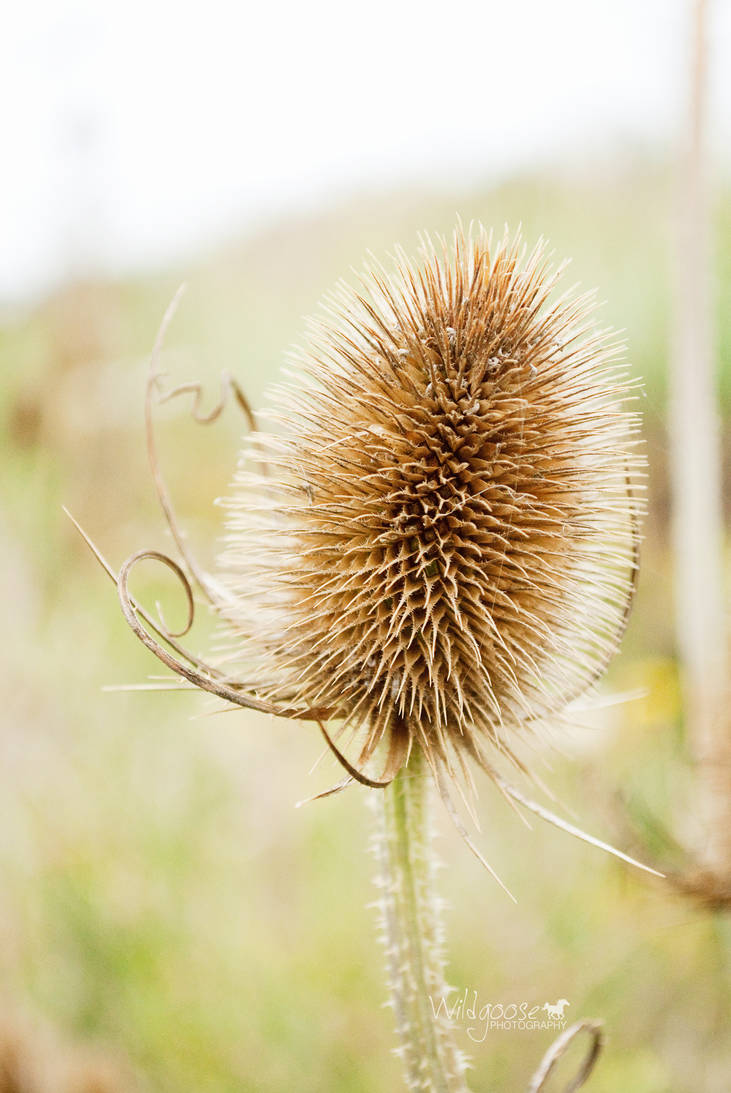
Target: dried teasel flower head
x,y
443,551
435,546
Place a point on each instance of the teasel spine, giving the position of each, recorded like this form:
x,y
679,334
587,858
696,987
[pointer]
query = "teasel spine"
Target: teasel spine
x,y
412,932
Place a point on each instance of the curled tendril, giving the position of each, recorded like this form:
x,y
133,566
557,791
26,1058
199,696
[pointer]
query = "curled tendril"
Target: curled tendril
x,y
229,386
208,678
558,1049
157,556
197,672
398,752
159,626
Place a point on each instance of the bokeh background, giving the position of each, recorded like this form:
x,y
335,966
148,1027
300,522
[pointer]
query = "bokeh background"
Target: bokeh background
x,y
168,920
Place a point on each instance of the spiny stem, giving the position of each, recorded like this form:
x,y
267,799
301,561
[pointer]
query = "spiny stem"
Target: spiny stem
x,y
412,935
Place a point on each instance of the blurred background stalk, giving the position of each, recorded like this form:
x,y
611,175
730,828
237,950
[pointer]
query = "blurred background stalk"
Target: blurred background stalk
x,y
696,477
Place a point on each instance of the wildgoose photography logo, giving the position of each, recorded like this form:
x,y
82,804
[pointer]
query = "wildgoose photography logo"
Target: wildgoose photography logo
x,y
479,1017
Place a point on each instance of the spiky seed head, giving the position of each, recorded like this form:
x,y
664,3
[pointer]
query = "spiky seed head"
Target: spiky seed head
x,y
444,538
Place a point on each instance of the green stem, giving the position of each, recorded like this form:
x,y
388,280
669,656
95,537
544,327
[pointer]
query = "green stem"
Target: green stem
x,y
413,936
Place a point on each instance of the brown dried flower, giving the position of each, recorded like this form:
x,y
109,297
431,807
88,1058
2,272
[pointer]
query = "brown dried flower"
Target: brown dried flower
x,y
436,545
443,551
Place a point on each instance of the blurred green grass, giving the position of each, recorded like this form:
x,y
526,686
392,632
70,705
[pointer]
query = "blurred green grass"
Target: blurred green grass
x,y
160,895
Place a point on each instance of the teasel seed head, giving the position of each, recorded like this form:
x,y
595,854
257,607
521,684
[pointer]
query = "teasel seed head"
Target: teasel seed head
x,y
436,543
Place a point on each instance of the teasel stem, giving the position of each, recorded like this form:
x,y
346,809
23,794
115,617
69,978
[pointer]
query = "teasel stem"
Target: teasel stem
x,y
413,934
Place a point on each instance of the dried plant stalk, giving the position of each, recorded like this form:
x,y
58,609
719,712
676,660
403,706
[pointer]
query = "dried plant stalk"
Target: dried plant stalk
x,y
696,469
413,935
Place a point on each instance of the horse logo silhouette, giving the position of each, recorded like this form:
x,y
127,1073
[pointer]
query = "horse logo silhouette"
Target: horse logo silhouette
x,y
556,1012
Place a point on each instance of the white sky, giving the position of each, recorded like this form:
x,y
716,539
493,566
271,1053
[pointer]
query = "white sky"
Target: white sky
x,y
133,133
